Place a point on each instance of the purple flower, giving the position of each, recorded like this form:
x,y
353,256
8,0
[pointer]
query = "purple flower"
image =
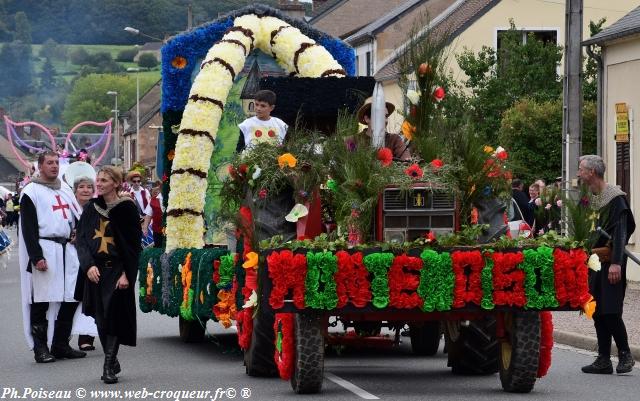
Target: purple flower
x,y
351,145
584,201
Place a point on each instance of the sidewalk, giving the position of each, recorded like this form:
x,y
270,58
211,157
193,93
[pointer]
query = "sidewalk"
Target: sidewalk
x,y
577,330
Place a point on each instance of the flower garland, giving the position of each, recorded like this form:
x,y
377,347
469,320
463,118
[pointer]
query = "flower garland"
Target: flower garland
x,y
468,287
244,323
508,279
404,279
285,344
352,284
321,268
539,262
187,291
487,282
297,53
287,271
436,281
571,281
546,343
225,309
378,264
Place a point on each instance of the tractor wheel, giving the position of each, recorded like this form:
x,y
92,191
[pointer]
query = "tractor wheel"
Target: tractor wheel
x,y
191,331
258,358
425,337
472,349
308,370
520,352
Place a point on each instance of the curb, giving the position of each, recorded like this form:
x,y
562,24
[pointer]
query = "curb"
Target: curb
x,y
588,343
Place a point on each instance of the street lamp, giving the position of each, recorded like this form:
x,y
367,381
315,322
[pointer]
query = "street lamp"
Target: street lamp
x,y
135,31
137,71
115,141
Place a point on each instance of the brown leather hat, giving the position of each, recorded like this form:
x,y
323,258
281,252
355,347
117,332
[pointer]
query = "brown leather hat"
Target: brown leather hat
x,y
366,110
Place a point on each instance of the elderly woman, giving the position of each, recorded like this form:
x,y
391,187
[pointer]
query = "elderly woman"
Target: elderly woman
x,y
83,325
108,243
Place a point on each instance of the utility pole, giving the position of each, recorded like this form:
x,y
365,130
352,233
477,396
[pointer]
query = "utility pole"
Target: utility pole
x,y
572,96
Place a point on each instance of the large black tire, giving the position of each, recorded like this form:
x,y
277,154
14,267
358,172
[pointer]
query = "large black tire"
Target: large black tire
x,y
258,359
520,353
472,349
191,331
308,368
425,337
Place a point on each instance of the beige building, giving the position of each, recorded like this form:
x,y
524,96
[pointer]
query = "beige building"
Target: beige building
x,y
619,100
471,24
150,125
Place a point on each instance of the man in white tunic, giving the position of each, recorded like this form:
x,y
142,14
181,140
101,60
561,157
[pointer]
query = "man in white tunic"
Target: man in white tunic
x,y
47,208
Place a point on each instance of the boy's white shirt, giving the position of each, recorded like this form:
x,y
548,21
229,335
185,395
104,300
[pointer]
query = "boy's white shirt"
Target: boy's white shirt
x,y
257,131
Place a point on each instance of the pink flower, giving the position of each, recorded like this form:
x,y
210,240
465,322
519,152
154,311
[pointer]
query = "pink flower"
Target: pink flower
x,y
262,194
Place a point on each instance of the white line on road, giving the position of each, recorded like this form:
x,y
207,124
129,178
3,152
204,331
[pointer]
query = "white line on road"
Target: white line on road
x,y
350,386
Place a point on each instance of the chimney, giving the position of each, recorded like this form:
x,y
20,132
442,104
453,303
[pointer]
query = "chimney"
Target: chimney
x,y
189,17
317,4
292,8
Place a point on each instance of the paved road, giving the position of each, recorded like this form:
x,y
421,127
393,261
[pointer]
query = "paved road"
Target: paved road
x,y
162,362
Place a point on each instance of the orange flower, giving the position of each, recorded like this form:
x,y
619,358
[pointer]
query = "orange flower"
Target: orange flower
x,y
251,261
408,130
287,159
171,154
179,62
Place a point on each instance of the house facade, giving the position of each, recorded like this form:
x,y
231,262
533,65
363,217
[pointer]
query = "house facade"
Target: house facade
x,y
619,101
471,24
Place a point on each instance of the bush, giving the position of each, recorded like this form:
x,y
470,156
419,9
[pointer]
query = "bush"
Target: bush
x,y
79,56
100,58
127,55
147,60
532,133
48,49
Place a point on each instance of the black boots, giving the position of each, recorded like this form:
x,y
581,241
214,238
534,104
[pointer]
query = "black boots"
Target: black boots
x,y
40,349
625,362
602,365
111,365
60,345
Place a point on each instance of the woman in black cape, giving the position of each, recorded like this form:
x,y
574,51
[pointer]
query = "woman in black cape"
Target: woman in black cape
x,y
108,243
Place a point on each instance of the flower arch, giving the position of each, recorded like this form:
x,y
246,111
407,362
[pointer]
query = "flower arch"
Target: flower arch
x,y
298,54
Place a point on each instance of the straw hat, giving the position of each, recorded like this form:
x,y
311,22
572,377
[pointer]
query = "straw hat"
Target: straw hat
x,y
366,109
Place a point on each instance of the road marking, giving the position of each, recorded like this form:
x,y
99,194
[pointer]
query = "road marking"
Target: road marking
x,y
350,386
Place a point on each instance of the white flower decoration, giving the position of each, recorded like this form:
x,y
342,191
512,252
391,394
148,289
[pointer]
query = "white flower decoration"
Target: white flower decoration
x,y
256,173
252,301
413,96
594,262
298,211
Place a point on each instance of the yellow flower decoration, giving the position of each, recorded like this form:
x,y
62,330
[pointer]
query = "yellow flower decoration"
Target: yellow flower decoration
x,y
251,261
488,149
287,159
408,130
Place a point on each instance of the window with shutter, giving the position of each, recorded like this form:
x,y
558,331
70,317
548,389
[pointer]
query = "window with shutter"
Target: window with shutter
x,y
623,168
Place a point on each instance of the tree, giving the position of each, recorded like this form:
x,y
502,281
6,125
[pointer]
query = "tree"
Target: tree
x,y
79,56
127,55
16,72
590,76
147,60
48,75
23,28
88,99
49,49
499,79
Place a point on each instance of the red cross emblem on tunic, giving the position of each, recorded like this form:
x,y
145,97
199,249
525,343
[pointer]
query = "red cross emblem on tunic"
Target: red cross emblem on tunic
x,y
61,206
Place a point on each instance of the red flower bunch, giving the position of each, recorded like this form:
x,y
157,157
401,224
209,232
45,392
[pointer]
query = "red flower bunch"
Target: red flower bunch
x,y
508,279
385,155
287,272
414,171
467,288
436,164
404,279
546,343
352,283
244,323
285,344
571,277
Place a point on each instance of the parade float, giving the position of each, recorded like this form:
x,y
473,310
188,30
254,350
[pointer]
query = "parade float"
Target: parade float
x,y
372,243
